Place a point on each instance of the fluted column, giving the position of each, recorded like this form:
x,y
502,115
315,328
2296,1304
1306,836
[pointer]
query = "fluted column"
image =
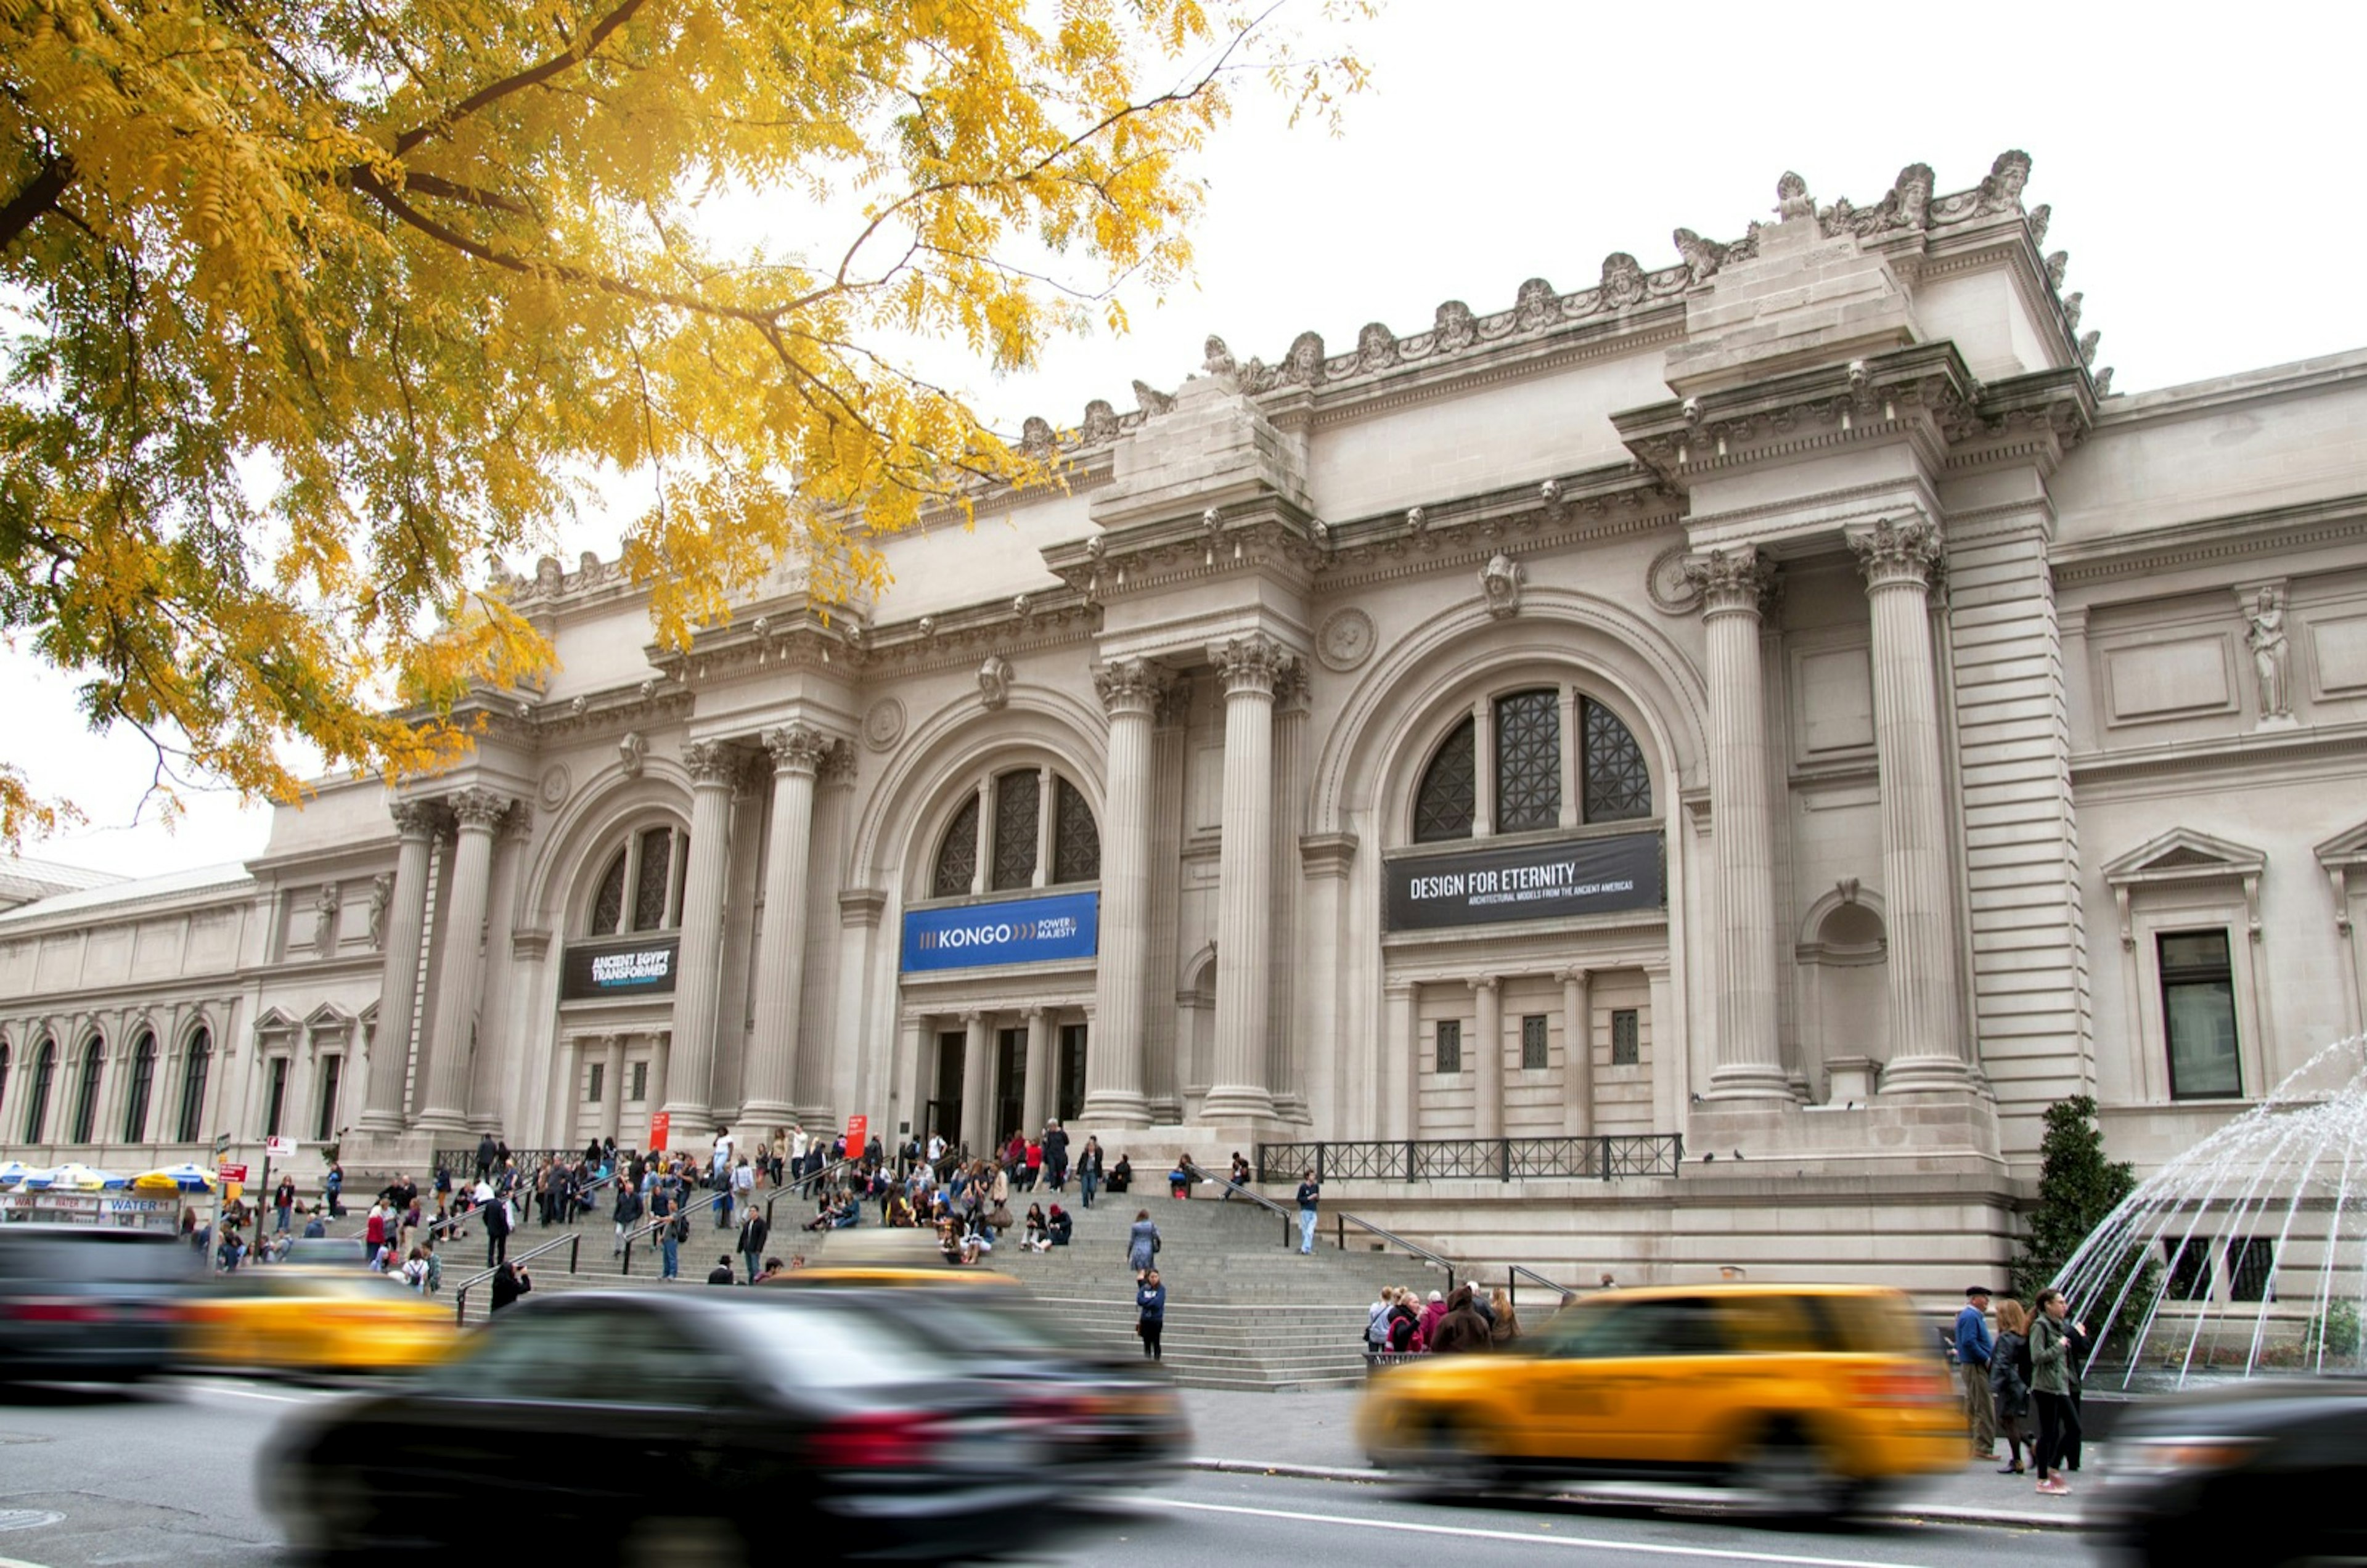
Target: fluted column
x,y
1747,1062
769,1078
1036,1097
1131,690
978,1087
461,976
1249,667
397,987
698,984
1578,1053
612,1087
1926,1052
1488,1058
570,1103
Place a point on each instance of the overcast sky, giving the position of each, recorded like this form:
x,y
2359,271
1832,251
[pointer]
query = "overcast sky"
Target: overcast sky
x,y
2202,166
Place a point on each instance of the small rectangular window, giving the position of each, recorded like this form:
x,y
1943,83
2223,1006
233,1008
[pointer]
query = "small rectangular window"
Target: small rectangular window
x,y
599,1076
2198,1007
1450,1046
1624,1037
2190,1268
332,1070
1533,1043
640,1090
2251,1261
276,1096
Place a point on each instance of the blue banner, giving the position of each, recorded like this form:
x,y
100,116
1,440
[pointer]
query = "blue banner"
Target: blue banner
x,y
1014,931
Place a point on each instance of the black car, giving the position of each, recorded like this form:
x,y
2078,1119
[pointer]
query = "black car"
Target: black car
x,y
328,1251
2263,1472
620,1425
90,1302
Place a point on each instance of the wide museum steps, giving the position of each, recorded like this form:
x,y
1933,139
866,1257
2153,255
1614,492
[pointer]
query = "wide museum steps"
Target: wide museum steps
x,y
1243,1311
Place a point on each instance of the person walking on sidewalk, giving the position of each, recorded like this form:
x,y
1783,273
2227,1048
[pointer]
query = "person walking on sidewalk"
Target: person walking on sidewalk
x,y
2050,1387
2010,1382
663,1206
1975,1350
1151,1313
1309,1191
754,1233
1089,1169
1142,1244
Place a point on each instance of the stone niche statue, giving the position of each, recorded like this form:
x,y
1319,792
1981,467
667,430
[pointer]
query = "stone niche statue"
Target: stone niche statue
x,y
1500,583
994,681
324,921
382,890
2265,636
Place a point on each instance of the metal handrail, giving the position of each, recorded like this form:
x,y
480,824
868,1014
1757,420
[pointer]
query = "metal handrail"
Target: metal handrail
x,y
1513,1272
1425,1254
452,1222
1194,1168
651,1227
573,1243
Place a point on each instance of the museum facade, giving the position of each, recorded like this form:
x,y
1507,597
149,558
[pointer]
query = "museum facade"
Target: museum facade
x,y
1780,702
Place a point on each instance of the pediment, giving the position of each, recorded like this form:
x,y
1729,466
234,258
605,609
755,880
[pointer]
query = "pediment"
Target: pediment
x,y
274,1021
2344,848
2184,855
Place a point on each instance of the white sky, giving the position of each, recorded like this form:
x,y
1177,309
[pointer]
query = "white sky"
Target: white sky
x,y
2202,166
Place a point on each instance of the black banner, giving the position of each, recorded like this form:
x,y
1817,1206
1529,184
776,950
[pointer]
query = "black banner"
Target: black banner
x,y
610,970
1524,882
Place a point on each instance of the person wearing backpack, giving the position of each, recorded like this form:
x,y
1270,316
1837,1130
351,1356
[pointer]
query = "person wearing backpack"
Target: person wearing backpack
x,y
670,1237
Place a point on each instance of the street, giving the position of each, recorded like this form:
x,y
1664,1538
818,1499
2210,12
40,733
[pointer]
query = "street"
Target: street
x,y
166,1473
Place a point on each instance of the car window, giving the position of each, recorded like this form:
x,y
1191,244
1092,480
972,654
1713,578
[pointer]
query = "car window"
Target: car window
x,y
93,1257
537,1356
1871,1324
807,1344
1670,1326
1774,1325
980,1327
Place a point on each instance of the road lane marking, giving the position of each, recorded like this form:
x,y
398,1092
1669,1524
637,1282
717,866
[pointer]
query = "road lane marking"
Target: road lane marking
x,y
1645,1549
250,1393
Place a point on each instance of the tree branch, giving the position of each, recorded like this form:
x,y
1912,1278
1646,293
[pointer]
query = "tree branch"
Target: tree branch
x,y
40,195
573,54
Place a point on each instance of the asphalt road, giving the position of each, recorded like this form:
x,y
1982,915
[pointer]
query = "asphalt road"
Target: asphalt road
x,y
166,1474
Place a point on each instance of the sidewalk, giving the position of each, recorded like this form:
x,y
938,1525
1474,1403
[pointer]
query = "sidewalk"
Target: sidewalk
x,y
1314,1435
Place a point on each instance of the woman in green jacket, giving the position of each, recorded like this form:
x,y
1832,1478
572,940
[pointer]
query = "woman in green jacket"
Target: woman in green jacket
x,y
2050,1387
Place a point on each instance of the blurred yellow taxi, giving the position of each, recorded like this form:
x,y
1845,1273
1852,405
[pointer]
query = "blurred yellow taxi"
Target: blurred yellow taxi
x,y
1812,1397
284,1318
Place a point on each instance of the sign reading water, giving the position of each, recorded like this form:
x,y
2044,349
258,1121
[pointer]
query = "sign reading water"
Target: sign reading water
x,y
1015,930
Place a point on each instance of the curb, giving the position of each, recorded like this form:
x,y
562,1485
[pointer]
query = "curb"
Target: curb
x,y
1936,1513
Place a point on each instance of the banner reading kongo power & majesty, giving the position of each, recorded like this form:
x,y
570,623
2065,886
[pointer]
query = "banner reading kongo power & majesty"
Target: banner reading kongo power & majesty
x,y
1524,882
1014,931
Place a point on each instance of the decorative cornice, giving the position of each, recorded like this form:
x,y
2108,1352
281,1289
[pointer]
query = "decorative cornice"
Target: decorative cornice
x,y
2242,535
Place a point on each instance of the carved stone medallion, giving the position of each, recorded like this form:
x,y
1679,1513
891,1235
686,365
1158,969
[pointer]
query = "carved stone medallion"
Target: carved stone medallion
x,y
556,784
1664,579
884,725
1347,640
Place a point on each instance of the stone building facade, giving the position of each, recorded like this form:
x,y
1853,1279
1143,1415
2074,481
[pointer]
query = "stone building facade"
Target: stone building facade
x,y
1780,699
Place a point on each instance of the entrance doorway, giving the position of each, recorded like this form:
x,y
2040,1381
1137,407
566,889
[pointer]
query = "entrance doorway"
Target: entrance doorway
x,y
944,1112
1010,1082
1071,1078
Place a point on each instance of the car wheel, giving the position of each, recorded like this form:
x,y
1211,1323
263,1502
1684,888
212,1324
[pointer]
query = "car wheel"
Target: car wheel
x,y
685,1542
1784,1473
1453,1460
337,1518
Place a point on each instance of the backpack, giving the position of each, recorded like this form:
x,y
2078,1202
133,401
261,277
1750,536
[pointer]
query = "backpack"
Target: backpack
x,y
681,1227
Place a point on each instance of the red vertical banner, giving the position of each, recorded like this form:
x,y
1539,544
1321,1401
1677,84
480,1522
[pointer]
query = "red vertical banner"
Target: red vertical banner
x,y
858,1129
661,1129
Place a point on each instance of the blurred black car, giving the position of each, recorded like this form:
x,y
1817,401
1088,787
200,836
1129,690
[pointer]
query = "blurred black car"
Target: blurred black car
x,y
1117,1422
608,1426
328,1252
2262,1472
90,1302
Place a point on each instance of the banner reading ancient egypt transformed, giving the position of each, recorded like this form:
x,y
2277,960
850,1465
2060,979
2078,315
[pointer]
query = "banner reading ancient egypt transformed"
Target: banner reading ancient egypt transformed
x,y
1524,882
643,967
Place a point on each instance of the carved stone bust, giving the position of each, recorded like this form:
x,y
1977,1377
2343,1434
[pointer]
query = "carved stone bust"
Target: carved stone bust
x,y
994,681
1792,199
1499,584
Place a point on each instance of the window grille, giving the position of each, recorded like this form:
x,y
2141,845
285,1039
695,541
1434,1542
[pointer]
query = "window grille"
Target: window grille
x,y
957,855
1017,797
599,1083
143,1079
333,1071
649,888
2190,1268
1618,787
1533,1043
1077,842
1528,761
1448,799
608,904
641,1086
276,1098
2252,1262
1450,1046
1625,1038
195,1070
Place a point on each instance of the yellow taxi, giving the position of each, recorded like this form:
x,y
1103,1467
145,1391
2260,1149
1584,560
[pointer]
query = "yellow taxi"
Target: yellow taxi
x,y
1811,1397
282,1317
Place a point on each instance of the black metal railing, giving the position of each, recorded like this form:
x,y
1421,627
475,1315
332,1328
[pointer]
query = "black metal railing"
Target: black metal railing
x,y
573,1244
1605,1158
1341,1222
458,1161
1515,1272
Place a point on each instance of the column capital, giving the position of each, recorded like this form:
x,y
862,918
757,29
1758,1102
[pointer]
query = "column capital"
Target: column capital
x,y
1736,581
1892,554
1576,974
1484,982
478,808
1131,686
1035,1011
710,763
972,1017
1255,664
798,748
415,818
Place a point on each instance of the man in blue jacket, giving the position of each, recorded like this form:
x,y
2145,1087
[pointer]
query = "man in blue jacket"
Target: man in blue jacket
x,y
1973,1348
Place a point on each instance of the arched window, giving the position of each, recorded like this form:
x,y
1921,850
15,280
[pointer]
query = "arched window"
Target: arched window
x,y
1018,798
7,1057
37,1093
143,1079
1449,796
93,1067
957,855
1077,842
1018,848
1527,789
194,1071
640,890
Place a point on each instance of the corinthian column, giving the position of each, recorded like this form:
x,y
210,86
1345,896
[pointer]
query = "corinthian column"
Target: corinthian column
x,y
1129,689
398,987
1488,1058
1736,586
699,986
1249,667
1926,1053
769,1078
462,977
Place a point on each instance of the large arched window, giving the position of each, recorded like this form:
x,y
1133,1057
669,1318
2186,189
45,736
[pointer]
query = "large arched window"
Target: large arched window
x,y
93,1067
1523,733
1018,849
143,1080
640,890
37,1093
195,1068
7,1059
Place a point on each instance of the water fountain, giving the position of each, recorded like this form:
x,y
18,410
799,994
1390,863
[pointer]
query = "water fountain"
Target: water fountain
x,y
2247,1253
